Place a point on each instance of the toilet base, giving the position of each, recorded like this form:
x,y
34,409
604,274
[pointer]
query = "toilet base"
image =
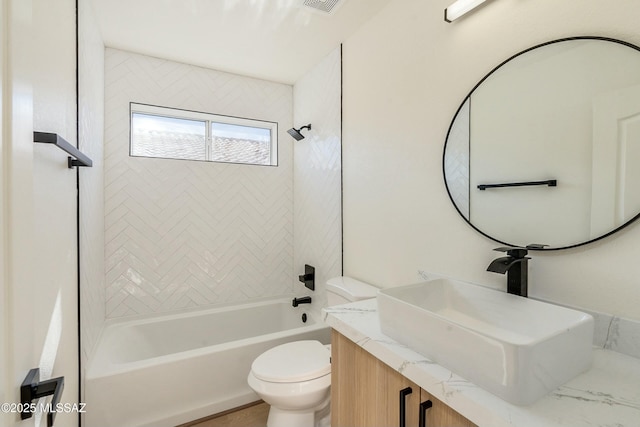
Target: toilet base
x,y
317,417
282,418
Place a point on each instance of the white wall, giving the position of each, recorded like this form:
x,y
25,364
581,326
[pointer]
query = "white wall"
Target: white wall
x,y
5,368
405,73
38,234
317,176
54,257
91,118
19,353
182,234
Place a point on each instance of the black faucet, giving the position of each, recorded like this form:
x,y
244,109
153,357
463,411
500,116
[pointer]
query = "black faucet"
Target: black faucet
x,y
516,265
301,300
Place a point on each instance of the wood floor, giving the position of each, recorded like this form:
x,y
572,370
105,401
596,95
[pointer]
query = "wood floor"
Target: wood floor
x,y
251,415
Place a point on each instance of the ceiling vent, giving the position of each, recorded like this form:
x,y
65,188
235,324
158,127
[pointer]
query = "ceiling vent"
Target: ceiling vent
x,y
324,6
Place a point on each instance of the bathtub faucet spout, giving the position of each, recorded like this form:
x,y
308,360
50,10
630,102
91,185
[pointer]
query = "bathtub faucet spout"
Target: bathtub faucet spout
x,y
301,300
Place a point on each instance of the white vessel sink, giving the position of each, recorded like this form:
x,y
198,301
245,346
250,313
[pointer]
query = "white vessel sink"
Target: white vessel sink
x,y
514,347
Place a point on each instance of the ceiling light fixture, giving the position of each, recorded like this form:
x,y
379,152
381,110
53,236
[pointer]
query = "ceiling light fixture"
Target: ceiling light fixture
x,y
459,8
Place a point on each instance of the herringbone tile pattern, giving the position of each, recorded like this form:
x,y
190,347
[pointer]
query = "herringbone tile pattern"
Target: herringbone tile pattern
x,y
184,233
317,173
456,163
90,139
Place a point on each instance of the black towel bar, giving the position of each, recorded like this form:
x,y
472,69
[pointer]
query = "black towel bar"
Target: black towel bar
x,y
55,139
550,183
32,388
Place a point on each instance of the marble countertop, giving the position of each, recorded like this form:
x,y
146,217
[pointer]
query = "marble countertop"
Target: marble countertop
x,y
606,395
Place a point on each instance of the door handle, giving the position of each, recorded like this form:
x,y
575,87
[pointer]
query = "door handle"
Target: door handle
x,y
403,406
32,388
424,407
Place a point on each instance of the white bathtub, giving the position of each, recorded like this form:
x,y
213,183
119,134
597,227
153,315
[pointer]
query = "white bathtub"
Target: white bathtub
x,y
168,370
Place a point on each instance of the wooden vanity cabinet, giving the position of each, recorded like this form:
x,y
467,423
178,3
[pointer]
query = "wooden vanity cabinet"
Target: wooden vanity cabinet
x,y
365,392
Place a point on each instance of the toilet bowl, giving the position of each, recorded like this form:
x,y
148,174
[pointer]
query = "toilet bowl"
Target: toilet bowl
x,y
295,378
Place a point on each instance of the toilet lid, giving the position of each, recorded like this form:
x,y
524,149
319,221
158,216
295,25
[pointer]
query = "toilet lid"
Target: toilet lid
x,y
293,362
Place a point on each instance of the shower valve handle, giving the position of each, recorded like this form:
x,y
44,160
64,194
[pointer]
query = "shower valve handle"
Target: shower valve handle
x,y
309,277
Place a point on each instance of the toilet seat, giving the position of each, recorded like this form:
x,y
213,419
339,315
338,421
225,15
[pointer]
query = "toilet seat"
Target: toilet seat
x,y
293,362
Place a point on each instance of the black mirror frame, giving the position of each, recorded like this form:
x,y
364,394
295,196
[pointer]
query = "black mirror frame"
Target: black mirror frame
x,y
444,151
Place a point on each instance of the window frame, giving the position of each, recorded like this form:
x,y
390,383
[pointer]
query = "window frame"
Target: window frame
x,y
208,118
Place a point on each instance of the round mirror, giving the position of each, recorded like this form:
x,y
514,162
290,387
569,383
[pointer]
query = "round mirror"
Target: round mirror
x,y
546,148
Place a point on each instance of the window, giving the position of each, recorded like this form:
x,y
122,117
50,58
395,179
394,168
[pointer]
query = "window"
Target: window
x,y
179,134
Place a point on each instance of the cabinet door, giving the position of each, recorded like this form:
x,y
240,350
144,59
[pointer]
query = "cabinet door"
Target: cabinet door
x,y
365,392
439,414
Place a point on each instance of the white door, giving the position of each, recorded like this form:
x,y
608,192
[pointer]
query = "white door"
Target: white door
x,y
616,149
38,287
19,353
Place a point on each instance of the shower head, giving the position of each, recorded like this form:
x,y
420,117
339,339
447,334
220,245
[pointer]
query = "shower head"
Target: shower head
x,y
296,132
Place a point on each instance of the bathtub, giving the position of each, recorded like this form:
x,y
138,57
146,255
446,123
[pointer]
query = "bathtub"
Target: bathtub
x,y
168,370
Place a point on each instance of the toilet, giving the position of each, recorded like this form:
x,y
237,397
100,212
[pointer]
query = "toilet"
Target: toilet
x,y
295,378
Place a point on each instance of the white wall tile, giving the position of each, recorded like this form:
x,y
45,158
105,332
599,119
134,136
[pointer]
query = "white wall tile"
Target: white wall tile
x,y
456,165
317,175
90,139
182,233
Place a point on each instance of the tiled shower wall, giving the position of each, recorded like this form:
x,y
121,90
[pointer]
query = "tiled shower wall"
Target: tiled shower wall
x,y
90,140
179,233
317,178
456,166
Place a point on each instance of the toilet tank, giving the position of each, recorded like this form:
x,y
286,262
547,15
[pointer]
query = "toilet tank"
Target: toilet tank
x,y
342,289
